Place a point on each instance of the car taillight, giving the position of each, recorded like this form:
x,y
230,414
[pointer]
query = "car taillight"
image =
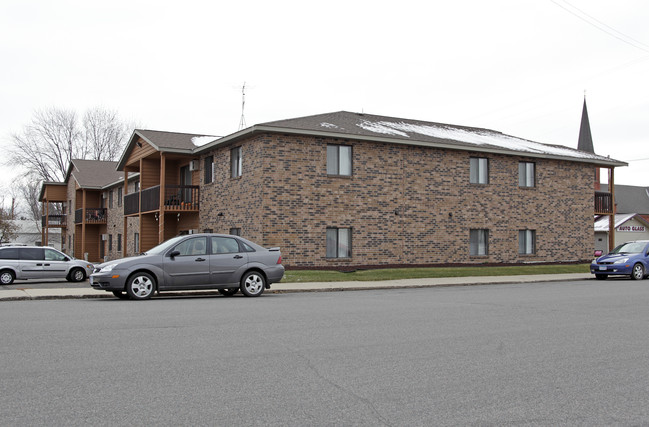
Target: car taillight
x,y
279,261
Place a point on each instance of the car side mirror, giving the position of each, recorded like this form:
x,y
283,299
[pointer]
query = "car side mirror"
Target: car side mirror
x,y
174,254
598,253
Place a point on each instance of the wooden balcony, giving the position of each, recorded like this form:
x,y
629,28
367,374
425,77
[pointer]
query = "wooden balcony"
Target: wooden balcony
x,y
177,198
603,203
92,216
54,221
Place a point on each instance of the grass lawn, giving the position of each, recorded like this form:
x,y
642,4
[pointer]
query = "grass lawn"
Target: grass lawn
x,y
293,276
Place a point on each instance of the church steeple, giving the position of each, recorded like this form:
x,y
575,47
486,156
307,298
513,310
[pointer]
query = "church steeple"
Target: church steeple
x,y
585,137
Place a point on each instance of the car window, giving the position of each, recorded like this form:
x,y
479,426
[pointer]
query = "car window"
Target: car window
x,y
630,248
9,253
189,247
247,247
52,255
224,245
32,254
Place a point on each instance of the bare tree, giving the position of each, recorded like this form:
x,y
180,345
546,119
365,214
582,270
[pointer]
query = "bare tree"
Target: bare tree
x,y
105,134
8,228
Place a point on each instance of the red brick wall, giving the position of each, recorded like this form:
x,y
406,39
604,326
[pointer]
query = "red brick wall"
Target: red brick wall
x,y
406,204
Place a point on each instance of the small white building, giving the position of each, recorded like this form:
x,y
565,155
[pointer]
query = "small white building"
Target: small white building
x,y
628,227
28,233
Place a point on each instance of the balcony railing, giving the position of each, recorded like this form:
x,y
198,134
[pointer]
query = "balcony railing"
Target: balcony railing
x,y
603,202
93,216
176,198
55,221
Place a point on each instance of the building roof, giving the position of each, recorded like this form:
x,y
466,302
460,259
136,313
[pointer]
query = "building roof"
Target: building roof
x,y
630,199
165,142
343,124
94,174
601,224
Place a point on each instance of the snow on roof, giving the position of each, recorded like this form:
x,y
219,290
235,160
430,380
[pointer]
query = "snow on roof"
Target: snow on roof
x,y
602,223
469,136
199,141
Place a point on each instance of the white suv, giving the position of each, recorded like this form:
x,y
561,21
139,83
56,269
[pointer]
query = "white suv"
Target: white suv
x,y
38,262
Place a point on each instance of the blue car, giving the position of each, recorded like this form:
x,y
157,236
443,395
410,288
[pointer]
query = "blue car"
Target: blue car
x,y
628,259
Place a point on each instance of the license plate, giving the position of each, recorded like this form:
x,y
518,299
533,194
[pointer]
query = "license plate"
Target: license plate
x,y
602,268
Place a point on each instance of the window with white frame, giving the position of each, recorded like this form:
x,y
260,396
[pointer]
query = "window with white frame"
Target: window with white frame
x,y
526,174
479,242
339,160
339,242
208,167
235,162
479,170
526,242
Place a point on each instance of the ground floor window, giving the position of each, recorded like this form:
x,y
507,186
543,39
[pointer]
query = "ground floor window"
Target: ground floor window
x,y
136,242
235,231
339,242
479,242
527,242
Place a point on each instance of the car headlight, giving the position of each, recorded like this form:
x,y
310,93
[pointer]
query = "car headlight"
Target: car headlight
x,y
621,261
107,268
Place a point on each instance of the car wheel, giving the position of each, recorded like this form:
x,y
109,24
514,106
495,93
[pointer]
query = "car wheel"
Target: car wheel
x,y
77,275
253,284
601,276
7,277
228,292
120,294
638,272
140,286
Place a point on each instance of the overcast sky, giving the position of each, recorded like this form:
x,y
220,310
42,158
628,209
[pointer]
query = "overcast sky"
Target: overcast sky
x,y
518,67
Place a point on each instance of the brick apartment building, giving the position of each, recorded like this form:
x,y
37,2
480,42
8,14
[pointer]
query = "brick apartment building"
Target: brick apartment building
x,y
342,190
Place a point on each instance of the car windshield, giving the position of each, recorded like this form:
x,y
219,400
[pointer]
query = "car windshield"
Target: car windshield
x,y
162,247
630,248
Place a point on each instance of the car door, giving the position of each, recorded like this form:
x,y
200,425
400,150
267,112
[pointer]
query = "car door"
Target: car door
x,y
190,267
55,265
226,260
31,263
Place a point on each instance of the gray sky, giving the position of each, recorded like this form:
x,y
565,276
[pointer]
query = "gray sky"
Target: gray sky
x,y
516,66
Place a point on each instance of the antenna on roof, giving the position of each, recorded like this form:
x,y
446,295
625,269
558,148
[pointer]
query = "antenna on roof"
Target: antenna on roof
x,y
242,122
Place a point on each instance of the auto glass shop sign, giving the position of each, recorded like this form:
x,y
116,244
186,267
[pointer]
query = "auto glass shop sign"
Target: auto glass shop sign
x,y
632,228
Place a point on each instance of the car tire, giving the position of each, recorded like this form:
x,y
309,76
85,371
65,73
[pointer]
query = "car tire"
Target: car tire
x,y
228,292
77,275
7,277
253,284
140,286
638,272
120,294
601,276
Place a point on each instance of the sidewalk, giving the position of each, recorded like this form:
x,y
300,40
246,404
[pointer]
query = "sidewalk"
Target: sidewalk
x,y
71,293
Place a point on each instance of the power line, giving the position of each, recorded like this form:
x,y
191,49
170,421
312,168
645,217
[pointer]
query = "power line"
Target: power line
x,y
602,26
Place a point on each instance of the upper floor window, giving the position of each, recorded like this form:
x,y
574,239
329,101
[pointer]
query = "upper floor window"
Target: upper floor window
x,y
527,242
119,196
208,167
110,199
136,186
235,162
479,242
339,242
526,174
479,170
339,160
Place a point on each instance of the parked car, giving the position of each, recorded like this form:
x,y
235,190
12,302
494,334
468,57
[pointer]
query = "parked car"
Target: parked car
x,y
628,259
38,262
197,261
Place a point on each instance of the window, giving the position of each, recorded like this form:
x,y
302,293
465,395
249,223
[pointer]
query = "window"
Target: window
x,y
339,160
478,242
52,255
110,242
235,231
224,245
235,162
526,174
119,196
119,242
110,199
34,254
9,253
339,242
136,186
527,242
208,167
479,173
136,243
189,247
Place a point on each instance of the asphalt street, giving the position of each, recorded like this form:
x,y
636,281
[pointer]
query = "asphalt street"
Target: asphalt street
x,y
554,353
